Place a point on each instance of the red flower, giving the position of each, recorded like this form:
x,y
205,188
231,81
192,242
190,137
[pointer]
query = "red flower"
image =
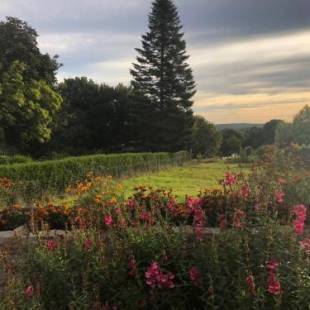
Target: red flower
x,y
156,278
195,276
299,227
88,244
51,245
245,191
152,274
251,284
171,206
146,217
239,215
230,179
193,203
274,286
300,213
29,291
272,265
131,204
108,220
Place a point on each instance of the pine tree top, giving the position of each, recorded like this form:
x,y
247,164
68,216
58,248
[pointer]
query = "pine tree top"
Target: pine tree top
x,y
161,71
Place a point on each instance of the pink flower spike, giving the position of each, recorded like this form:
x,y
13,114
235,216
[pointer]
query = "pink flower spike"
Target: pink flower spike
x,y
245,191
29,291
274,286
88,244
300,211
156,278
195,276
108,220
299,227
230,179
51,245
251,284
272,265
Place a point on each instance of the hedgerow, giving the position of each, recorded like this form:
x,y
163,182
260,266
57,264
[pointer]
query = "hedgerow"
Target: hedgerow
x,y
56,175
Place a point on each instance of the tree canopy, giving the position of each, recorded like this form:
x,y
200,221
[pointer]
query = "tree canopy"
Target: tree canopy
x,y
163,76
206,140
28,98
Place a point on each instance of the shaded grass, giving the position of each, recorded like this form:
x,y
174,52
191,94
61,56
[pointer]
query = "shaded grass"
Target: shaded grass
x,y
186,180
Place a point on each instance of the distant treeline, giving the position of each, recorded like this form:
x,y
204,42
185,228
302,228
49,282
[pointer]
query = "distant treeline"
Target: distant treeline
x,y
43,118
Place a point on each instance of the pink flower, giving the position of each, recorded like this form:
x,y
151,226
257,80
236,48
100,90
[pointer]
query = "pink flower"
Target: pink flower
x,y
230,179
108,220
152,274
239,215
88,244
193,203
299,227
272,265
195,276
171,206
300,213
274,286
29,291
199,215
251,284
131,203
156,278
146,217
165,280
245,191
279,196
51,245
305,245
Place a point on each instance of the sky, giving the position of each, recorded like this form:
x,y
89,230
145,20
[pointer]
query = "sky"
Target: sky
x,y
250,58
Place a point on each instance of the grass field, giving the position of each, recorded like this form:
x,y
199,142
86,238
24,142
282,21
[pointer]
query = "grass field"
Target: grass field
x,y
186,180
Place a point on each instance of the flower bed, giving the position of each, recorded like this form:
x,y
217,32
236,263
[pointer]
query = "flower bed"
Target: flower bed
x,y
152,252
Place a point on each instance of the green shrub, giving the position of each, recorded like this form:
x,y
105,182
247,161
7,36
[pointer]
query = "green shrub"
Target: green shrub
x,y
16,159
58,174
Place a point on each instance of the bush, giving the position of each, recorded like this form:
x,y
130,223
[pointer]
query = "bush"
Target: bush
x,y
57,175
16,159
151,252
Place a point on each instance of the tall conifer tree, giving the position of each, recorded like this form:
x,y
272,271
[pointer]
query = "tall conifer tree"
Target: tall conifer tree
x,y
163,76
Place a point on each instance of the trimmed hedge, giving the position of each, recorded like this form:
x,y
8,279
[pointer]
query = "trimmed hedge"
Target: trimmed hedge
x,y
16,159
58,174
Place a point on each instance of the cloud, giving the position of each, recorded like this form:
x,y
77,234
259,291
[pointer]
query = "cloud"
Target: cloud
x,y
247,55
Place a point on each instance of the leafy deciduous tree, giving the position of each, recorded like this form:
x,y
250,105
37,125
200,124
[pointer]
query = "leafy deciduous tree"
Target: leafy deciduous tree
x,y
206,140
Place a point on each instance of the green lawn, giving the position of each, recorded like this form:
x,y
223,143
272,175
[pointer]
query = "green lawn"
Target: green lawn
x,y
186,180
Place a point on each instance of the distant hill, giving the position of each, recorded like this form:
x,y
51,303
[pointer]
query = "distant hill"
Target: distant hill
x,y
237,126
